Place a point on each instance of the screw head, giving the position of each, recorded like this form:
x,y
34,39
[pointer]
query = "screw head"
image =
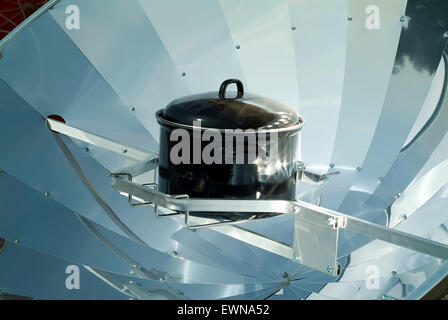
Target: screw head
x,y
183,74
238,47
330,269
380,179
331,165
358,169
124,150
87,149
397,196
133,109
293,28
349,18
402,19
295,256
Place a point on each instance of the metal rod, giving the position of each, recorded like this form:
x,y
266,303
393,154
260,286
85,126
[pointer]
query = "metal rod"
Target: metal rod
x,y
28,21
93,139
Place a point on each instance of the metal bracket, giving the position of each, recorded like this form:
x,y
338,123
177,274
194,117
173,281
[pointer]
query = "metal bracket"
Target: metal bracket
x,y
311,177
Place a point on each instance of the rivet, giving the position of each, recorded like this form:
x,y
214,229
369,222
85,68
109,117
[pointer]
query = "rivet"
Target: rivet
x,y
183,74
394,273
358,169
124,150
295,256
87,149
397,196
380,179
331,165
16,241
404,216
238,46
402,19
133,109
330,269
350,18
174,253
293,28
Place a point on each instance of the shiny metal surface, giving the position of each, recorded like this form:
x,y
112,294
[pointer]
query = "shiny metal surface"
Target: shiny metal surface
x,y
370,98
413,71
369,61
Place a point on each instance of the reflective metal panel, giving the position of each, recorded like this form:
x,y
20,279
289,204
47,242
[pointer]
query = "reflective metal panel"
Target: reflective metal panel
x,y
60,80
263,43
206,59
125,48
413,71
42,276
319,34
371,49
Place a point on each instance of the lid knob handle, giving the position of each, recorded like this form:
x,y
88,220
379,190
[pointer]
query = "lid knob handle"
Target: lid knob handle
x,y
225,84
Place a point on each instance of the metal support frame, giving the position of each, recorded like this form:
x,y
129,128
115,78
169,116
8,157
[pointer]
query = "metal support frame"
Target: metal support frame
x,y
316,249
308,213
136,291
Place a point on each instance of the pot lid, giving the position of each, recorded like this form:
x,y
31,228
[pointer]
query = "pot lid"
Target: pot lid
x,y
231,110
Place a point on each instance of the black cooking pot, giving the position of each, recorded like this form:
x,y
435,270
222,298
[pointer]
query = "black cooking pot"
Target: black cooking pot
x,y
239,147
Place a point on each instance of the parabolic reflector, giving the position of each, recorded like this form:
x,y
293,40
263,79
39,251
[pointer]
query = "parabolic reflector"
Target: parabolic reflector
x,y
82,80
